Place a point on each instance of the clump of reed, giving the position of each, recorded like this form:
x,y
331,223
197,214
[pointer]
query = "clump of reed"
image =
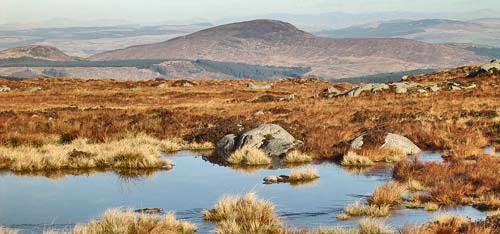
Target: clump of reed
x,y
356,210
297,157
248,155
303,175
353,159
431,206
244,214
126,222
138,151
389,193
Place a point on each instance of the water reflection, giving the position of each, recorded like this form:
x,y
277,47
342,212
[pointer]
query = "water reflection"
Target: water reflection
x,y
36,201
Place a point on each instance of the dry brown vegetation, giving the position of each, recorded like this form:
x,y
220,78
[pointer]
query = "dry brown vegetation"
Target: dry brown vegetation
x,y
456,182
104,110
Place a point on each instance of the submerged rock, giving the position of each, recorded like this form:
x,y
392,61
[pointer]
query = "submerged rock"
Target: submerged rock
x,y
276,179
391,142
272,139
149,211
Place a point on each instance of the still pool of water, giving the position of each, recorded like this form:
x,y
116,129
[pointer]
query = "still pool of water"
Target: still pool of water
x,y
36,203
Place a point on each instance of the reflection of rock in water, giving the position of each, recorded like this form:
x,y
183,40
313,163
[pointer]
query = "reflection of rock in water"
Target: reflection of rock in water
x,y
125,175
276,163
376,170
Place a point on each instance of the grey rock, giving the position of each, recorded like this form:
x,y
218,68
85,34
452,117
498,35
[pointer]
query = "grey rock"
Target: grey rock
x,y
4,88
434,88
272,139
495,64
271,179
149,211
373,88
252,86
162,85
392,141
226,145
276,179
288,97
454,86
332,90
421,91
404,87
472,86
34,89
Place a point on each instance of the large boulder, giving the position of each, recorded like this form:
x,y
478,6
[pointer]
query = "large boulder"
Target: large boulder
x,y
490,67
391,142
272,139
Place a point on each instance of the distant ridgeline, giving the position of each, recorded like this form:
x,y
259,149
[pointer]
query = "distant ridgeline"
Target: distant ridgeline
x,y
383,77
235,70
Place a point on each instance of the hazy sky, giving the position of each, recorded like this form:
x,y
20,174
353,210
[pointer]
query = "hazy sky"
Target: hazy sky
x,y
19,11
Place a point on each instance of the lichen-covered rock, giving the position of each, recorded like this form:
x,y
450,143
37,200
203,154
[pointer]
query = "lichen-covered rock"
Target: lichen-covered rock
x,y
404,87
272,139
490,67
4,88
391,142
252,86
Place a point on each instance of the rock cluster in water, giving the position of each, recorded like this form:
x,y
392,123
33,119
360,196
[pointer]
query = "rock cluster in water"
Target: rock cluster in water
x,y
271,139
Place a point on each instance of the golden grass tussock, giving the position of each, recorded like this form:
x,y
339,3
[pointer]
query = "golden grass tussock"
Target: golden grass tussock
x,y
389,193
356,209
297,157
415,185
244,214
430,206
324,230
137,151
126,222
248,155
4,230
353,159
372,226
303,174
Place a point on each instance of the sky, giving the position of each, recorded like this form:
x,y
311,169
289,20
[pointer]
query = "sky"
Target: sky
x,y
25,11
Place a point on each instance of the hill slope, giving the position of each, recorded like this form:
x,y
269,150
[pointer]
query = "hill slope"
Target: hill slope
x,y
35,52
269,42
481,31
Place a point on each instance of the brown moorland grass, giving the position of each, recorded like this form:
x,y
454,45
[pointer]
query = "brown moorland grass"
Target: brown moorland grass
x,y
104,110
456,182
389,193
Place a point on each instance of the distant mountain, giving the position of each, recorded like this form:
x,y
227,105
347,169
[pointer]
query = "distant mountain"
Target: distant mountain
x,y
276,43
480,31
35,52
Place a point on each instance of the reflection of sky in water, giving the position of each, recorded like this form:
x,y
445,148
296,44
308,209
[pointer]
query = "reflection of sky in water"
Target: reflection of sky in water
x,y
194,184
